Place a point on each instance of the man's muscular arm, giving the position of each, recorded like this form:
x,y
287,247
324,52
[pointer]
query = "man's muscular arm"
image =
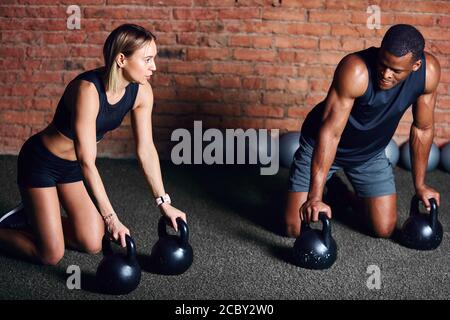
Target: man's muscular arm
x,y
422,131
350,81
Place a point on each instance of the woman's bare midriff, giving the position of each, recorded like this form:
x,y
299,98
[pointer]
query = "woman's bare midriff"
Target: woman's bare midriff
x,y
57,143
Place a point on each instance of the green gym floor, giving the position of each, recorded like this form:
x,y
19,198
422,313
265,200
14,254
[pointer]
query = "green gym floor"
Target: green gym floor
x,y
234,219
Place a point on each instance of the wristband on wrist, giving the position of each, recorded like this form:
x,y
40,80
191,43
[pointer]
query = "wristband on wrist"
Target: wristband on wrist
x,y
163,199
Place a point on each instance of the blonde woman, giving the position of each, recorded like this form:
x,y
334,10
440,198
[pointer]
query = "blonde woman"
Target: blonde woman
x,y
53,163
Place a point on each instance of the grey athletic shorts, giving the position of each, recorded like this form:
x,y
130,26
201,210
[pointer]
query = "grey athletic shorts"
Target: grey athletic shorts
x,y
372,178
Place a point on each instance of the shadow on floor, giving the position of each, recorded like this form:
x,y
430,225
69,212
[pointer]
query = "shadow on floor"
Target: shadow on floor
x,y
261,199
244,191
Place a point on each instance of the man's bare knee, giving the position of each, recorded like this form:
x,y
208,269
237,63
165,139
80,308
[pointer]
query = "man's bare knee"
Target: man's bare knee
x,y
384,230
291,215
383,215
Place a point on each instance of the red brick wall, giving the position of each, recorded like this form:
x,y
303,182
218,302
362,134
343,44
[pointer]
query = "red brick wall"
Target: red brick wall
x,y
230,63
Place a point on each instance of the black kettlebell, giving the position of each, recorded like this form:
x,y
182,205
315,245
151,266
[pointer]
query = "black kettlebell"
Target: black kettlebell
x,y
422,231
118,273
171,254
315,249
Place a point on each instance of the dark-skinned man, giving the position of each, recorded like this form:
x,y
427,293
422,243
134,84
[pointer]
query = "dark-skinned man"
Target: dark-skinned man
x,y
350,129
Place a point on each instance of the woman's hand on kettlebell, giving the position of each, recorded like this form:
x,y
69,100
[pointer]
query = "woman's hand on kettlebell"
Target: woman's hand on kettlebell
x,y
172,213
310,210
117,230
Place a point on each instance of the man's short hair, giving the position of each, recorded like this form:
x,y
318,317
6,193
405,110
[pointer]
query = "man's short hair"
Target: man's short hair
x,y
401,39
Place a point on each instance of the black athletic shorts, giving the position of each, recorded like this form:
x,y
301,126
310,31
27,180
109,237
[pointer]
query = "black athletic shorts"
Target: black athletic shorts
x,y
37,167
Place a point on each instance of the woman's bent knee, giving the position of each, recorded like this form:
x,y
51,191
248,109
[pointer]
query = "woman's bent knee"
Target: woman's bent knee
x,y
93,245
93,248
51,257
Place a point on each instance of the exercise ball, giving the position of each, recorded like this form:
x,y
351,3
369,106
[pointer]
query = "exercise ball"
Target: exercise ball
x,y
433,158
289,143
445,157
392,152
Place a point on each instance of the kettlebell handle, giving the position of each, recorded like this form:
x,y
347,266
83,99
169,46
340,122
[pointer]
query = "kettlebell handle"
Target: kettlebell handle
x,y
107,250
326,228
433,211
182,227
